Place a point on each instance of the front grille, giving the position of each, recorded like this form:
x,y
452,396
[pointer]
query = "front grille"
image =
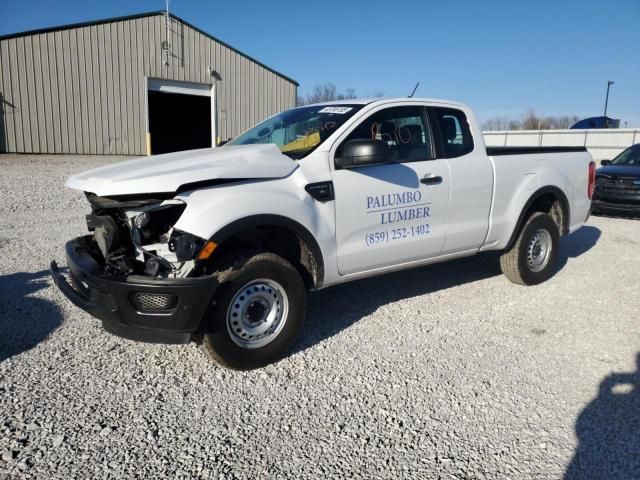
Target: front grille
x,y
631,183
154,302
618,199
617,189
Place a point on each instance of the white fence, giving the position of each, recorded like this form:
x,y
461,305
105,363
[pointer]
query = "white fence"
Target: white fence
x,y
601,143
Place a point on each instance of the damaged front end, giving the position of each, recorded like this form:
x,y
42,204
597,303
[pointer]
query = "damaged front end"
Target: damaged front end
x,y
136,272
137,236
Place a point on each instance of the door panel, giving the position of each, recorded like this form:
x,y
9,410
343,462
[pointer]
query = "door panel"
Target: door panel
x,y
394,213
471,180
385,215
471,191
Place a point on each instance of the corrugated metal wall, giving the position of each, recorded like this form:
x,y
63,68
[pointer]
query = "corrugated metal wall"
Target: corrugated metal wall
x,y
82,90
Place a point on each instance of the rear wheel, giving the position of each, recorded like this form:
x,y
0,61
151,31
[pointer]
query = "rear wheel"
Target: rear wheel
x,y
532,258
259,310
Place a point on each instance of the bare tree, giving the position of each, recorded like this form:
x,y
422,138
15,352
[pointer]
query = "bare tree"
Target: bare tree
x,y
322,93
563,121
348,95
497,123
531,121
326,93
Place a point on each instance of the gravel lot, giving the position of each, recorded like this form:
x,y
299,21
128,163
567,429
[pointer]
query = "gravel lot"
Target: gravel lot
x,y
442,372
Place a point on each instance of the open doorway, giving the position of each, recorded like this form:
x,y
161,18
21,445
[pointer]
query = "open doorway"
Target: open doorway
x,y
179,116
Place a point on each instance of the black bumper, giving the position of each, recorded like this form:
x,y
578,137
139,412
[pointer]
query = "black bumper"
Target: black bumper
x,y
604,206
136,307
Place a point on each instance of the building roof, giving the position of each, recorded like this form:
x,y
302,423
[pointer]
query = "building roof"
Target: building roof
x,y
142,15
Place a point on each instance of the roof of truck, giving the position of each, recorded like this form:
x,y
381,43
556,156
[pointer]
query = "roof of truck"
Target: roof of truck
x,y
366,101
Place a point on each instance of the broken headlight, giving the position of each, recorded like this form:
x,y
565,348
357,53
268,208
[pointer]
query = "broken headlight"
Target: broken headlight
x,y
153,223
184,245
162,248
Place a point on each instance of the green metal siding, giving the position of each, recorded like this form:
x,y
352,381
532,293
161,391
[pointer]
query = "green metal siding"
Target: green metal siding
x,y
81,89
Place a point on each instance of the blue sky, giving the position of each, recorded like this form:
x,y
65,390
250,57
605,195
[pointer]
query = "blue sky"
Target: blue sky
x,y
500,57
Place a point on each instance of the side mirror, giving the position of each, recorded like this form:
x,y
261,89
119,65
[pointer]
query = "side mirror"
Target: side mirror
x,y
361,152
604,163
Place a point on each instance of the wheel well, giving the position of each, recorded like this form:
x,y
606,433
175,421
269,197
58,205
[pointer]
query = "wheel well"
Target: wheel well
x,y
280,240
551,204
548,200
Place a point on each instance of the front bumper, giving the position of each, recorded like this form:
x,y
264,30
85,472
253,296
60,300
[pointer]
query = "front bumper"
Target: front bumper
x,y
140,308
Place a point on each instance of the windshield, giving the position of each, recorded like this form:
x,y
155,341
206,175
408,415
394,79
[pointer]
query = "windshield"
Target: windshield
x,y
631,156
299,131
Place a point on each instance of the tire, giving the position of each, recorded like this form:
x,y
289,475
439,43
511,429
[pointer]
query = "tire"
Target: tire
x,y
259,310
533,257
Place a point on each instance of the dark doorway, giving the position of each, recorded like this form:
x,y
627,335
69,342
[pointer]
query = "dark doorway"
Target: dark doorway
x,y
179,122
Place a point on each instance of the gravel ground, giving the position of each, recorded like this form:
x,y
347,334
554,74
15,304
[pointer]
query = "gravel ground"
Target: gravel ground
x,y
442,372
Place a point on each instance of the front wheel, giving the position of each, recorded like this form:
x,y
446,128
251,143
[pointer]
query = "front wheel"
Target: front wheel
x,y
532,258
258,313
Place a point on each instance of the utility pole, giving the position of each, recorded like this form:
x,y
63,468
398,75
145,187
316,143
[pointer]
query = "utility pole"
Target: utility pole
x,y
606,103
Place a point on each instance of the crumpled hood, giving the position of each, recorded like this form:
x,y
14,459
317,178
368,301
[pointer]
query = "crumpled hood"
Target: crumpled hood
x,y
168,172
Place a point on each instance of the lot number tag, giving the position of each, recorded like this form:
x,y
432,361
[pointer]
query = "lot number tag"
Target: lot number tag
x,y
339,110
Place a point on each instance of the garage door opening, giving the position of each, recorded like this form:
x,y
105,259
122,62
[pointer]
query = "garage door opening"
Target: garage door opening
x,y
179,115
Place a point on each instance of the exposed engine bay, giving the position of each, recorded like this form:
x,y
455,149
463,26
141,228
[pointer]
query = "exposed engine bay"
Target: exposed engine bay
x,y
136,235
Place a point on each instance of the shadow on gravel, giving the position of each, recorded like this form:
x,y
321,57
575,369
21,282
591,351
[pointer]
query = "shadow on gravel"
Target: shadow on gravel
x,y
335,309
608,431
25,320
578,243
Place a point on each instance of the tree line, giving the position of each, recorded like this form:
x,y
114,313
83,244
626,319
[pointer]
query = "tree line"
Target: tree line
x,y
530,120
328,92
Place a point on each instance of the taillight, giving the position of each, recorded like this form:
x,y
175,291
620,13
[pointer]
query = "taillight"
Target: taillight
x,y
592,180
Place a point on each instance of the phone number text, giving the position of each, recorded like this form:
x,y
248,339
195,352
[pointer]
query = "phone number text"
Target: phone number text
x,y
394,234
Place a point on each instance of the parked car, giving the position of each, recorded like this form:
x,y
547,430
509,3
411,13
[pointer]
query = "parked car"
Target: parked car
x,y
618,184
222,244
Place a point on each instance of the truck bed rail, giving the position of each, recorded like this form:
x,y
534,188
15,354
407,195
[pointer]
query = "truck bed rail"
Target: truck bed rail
x,y
493,151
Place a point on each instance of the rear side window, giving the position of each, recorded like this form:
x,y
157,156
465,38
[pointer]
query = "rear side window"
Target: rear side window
x,y
454,131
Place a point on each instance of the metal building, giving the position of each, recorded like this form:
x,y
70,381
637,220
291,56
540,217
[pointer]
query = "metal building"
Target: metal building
x,y
135,85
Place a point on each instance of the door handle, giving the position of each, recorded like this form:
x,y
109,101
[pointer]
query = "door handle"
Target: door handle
x,y
429,179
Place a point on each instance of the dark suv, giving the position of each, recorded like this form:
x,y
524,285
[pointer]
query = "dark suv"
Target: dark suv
x,y
618,184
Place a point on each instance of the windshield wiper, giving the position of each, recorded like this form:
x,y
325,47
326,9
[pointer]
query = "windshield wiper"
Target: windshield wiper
x,y
297,154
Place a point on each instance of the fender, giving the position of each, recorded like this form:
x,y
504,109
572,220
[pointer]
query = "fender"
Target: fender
x,y
564,203
265,220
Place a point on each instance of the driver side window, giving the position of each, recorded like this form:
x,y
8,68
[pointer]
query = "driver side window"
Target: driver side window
x,y
403,128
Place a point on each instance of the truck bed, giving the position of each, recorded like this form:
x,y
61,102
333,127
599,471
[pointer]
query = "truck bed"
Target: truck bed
x,y
520,172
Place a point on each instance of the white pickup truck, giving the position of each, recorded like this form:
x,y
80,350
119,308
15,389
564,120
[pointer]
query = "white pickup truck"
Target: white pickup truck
x,y
221,245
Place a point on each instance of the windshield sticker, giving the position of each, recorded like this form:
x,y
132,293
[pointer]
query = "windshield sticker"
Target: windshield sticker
x,y
339,110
